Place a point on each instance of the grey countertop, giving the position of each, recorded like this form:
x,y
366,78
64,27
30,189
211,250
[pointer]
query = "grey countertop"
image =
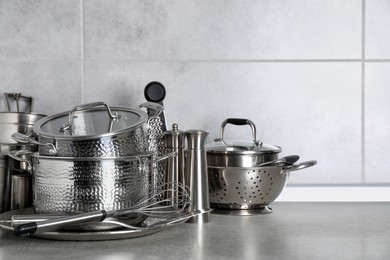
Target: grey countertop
x,y
291,231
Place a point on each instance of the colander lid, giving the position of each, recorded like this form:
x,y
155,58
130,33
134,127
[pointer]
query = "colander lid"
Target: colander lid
x,y
241,147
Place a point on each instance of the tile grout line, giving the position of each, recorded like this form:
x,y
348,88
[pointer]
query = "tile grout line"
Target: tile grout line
x,y
363,86
82,49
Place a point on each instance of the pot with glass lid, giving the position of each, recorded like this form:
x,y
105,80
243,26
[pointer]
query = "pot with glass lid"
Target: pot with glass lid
x,y
92,130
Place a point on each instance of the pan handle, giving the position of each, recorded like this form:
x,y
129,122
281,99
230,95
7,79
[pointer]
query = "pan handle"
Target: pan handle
x,y
21,138
301,166
239,121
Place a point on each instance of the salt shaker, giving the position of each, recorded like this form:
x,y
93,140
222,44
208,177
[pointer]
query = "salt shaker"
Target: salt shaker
x,y
196,175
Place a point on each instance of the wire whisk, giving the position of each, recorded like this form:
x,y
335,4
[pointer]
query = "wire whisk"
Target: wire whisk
x,y
157,204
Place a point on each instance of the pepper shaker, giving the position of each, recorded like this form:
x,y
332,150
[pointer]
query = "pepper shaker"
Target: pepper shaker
x,y
196,175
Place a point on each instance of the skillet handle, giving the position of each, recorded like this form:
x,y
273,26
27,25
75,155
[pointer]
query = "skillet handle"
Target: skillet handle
x,y
301,166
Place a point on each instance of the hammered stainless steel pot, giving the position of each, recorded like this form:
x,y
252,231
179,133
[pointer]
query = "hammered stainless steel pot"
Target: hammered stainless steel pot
x,y
68,185
92,130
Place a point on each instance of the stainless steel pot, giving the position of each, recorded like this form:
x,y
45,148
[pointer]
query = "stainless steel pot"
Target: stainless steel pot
x,y
92,130
11,122
65,185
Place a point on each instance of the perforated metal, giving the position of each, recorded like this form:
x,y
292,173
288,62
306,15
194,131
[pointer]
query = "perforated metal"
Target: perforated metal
x,y
245,188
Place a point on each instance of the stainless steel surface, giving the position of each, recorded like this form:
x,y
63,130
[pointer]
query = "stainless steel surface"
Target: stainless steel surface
x,y
239,153
248,188
175,166
196,175
94,133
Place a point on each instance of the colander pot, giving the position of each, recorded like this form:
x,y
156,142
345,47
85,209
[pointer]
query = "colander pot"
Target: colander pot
x,y
246,175
248,188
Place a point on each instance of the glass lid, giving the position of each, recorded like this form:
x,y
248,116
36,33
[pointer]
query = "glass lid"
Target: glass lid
x,y
90,121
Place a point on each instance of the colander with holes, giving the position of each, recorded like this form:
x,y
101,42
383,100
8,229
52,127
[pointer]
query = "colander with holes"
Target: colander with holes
x,y
247,175
248,188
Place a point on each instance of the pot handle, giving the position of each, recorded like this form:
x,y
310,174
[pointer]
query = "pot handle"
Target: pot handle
x,y
239,121
21,138
301,166
85,107
16,155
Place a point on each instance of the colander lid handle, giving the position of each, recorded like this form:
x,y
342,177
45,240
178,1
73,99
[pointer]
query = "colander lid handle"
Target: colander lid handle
x,y
239,121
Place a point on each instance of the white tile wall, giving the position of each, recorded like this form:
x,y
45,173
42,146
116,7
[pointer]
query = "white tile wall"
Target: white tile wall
x,y
312,75
208,30
377,29
377,122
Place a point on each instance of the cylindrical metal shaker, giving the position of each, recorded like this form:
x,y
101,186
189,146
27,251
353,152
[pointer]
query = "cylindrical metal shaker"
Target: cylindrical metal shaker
x,y
174,143
196,177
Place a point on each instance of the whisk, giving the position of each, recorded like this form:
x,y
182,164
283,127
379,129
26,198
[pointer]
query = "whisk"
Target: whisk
x,y
154,205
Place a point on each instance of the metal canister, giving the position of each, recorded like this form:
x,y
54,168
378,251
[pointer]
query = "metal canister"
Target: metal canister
x,y
175,143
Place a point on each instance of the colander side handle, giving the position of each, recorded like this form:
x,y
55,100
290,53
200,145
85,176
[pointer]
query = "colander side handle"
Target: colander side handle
x,y
301,166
